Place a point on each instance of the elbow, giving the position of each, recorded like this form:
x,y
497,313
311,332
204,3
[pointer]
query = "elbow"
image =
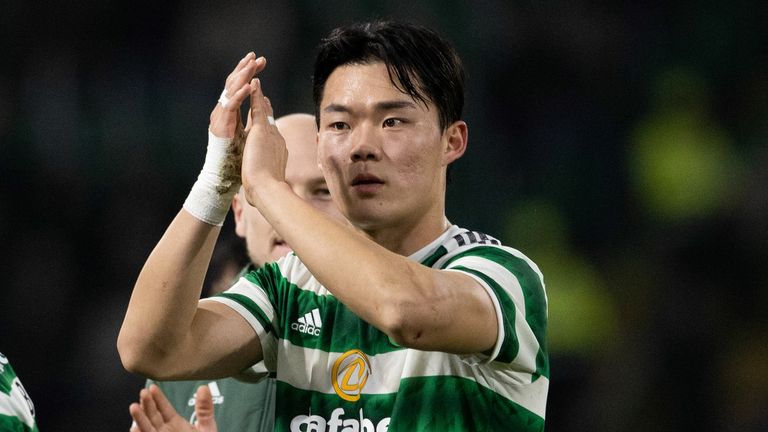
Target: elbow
x,y
411,317
405,324
135,356
130,355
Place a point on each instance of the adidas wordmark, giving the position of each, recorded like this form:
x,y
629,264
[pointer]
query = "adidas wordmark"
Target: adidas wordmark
x,y
310,323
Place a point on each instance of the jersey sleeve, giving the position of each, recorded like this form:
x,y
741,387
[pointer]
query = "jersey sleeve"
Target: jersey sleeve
x,y
253,296
516,287
17,412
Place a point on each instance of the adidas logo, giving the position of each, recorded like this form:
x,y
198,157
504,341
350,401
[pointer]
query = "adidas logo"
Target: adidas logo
x,y
310,323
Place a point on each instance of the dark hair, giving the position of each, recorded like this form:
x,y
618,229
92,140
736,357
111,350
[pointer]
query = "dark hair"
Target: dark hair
x,y
420,63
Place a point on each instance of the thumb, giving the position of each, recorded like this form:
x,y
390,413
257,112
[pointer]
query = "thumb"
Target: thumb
x,y
204,410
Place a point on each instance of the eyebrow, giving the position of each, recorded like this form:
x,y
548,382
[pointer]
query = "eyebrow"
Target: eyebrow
x,y
380,106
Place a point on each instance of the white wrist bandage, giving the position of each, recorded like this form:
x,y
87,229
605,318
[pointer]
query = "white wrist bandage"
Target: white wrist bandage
x,y
224,99
218,182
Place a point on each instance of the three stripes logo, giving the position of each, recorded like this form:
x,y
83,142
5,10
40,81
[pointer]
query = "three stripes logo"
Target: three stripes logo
x,y
472,237
310,323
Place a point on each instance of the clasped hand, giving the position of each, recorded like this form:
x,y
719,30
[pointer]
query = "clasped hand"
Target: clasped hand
x,y
264,154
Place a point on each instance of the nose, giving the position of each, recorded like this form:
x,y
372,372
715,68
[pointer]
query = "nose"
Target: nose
x,y
366,144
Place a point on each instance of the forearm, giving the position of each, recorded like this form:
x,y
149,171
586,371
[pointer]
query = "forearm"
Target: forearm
x,y
380,286
166,294
164,329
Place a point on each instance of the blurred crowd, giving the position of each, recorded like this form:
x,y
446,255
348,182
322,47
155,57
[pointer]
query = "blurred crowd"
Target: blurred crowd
x,y
623,147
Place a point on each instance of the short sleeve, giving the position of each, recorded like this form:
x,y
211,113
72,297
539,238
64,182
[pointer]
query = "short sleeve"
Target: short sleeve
x,y
516,287
253,297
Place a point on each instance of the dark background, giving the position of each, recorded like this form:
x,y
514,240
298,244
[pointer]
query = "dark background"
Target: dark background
x,y
622,146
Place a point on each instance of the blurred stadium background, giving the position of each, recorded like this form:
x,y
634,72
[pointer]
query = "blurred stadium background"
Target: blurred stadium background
x,y
621,145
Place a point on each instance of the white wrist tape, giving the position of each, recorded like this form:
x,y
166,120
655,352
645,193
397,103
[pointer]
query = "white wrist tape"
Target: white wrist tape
x,y
224,99
218,182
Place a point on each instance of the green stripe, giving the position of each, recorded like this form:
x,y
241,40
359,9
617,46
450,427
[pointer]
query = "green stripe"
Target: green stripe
x,y
291,302
463,405
6,379
7,375
269,278
13,424
511,344
432,259
533,293
252,307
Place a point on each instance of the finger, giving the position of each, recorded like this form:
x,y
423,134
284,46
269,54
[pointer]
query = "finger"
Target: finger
x,y
147,403
237,98
142,423
248,62
237,81
241,77
240,65
249,122
164,407
258,106
234,84
204,407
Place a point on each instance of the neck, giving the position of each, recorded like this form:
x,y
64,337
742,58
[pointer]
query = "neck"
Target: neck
x,y
409,236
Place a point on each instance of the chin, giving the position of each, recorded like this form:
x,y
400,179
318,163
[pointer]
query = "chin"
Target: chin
x,y
366,220
280,251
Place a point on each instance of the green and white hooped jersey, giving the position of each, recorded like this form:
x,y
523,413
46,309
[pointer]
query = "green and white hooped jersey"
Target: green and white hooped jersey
x,y
337,373
17,413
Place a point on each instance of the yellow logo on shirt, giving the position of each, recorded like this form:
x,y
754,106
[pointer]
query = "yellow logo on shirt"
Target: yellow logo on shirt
x,y
350,373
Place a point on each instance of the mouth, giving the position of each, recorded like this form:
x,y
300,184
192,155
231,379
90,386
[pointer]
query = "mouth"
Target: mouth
x,y
366,184
366,179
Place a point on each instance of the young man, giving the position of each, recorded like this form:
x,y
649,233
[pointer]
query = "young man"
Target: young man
x,y
241,406
405,322
17,412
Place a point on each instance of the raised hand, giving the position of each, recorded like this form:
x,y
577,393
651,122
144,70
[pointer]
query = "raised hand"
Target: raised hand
x,y
264,155
154,413
219,179
225,117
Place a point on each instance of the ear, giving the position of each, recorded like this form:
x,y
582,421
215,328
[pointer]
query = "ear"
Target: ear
x,y
237,209
455,139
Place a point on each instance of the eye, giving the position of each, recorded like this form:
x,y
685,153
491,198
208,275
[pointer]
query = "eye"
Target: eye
x,y
392,122
338,126
322,193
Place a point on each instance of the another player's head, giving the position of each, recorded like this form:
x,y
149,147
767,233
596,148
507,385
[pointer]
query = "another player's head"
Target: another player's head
x,y
388,98
302,173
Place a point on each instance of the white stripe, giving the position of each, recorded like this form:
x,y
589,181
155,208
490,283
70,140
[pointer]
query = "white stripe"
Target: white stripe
x,y
316,316
311,370
215,392
256,294
296,273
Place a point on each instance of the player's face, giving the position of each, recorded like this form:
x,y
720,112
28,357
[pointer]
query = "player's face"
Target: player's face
x,y
302,172
382,152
